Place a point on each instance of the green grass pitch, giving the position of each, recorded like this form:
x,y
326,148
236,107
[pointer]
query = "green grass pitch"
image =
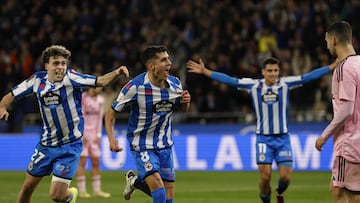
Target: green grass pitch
x,y
191,187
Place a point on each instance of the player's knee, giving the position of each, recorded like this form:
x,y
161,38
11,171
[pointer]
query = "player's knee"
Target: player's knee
x,y
265,177
285,178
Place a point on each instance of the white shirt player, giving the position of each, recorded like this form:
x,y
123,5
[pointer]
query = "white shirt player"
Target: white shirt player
x,y
271,102
60,105
149,129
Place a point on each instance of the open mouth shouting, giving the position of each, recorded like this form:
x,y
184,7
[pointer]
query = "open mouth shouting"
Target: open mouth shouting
x,y
59,74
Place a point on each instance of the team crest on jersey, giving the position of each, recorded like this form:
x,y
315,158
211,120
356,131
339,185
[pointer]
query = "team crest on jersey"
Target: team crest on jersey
x,y
163,107
30,166
51,100
270,97
262,157
148,166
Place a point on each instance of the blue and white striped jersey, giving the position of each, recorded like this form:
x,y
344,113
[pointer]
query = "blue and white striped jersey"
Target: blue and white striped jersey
x,y
151,109
60,105
271,102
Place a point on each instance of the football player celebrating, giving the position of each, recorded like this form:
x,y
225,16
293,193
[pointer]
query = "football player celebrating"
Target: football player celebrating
x,y
270,97
58,91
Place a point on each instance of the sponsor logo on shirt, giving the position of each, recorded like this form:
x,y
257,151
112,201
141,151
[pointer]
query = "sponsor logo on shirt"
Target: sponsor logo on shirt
x,y
163,107
51,100
270,97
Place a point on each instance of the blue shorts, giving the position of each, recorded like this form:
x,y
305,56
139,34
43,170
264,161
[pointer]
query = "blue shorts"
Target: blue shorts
x,y
274,147
61,161
150,161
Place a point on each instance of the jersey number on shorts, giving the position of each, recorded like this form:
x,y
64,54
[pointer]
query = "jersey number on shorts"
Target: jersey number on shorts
x,y
37,156
262,148
144,156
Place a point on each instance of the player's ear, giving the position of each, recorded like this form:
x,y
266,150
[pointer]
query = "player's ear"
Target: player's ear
x,y
263,70
150,66
334,40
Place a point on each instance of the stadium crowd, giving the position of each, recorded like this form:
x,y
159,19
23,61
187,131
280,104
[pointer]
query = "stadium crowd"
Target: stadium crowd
x,y
231,36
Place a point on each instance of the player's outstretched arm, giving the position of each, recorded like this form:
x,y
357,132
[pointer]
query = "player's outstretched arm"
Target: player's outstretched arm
x,y
5,102
319,72
106,79
198,68
109,127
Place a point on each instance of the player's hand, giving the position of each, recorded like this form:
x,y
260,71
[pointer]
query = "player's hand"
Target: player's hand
x,y
123,70
114,146
4,114
194,67
320,141
185,97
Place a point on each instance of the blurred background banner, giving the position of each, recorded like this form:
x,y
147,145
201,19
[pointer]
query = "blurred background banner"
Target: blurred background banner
x,y
197,148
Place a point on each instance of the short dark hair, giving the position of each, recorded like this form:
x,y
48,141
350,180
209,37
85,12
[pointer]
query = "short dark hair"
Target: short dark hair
x,y
270,60
55,50
341,30
150,53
